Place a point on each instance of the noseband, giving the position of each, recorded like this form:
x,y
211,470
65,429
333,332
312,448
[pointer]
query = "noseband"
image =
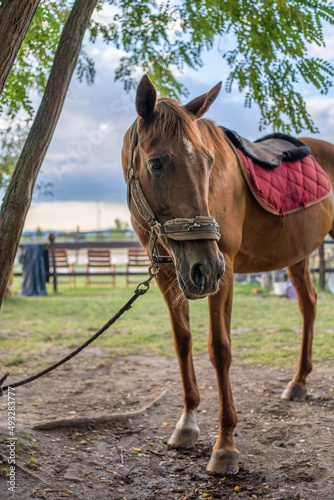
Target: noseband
x,y
199,228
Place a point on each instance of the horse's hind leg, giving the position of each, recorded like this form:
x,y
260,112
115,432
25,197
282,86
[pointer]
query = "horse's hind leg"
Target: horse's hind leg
x,y
301,278
186,432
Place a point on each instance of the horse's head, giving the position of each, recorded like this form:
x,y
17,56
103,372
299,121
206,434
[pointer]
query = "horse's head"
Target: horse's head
x,y
173,167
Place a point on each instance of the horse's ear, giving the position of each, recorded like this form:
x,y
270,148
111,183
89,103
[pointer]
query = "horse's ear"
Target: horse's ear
x,y
146,98
201,104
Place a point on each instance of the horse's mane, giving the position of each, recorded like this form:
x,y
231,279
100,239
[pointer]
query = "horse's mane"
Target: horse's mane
x,y
173,122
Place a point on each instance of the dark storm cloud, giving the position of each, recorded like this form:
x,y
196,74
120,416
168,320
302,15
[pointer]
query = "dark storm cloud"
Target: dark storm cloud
x,y
84,159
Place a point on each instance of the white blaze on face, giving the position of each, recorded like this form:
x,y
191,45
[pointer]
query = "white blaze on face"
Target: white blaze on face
x,y
190,150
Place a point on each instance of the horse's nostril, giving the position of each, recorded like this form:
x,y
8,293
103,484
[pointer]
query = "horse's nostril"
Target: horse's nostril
x,y
197,276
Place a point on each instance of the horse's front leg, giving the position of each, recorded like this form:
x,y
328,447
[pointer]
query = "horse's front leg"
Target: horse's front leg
x,y
224,458
186,432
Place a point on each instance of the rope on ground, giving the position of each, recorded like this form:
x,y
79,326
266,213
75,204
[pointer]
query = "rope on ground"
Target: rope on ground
x,y
137,293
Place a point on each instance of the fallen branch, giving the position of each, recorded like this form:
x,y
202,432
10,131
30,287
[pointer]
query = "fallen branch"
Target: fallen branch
x,y
155,453
23,469
95,421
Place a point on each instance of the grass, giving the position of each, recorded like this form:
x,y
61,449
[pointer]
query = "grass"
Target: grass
x,y
265,329
33,463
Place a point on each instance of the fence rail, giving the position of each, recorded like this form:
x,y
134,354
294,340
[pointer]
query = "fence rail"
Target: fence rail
x,y
322,269
86,245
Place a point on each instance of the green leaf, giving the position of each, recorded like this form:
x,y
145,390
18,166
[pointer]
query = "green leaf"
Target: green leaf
x,y
269,57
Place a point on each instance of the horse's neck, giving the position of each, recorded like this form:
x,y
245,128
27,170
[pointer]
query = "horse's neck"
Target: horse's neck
x,y
215,140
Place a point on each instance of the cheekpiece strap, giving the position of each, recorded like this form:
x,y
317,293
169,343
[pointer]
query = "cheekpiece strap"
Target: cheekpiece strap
x,y
141,202
133,144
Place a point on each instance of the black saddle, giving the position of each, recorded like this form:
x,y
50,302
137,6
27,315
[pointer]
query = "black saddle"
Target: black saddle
x,y
271,150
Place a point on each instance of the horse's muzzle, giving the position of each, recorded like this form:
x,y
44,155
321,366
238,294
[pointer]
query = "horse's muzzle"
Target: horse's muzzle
x,y
199,274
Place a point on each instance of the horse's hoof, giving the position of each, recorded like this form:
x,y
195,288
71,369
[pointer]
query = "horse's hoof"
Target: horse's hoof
x,y
296,392
183,437
223,462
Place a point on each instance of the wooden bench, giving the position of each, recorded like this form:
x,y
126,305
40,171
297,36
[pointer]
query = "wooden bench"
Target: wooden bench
x,y
60,261
137,258
99,261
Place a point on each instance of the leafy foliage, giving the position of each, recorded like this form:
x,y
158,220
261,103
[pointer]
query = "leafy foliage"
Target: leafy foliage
x,y
271,39
11,143
30,73
35,59
264,42
10,146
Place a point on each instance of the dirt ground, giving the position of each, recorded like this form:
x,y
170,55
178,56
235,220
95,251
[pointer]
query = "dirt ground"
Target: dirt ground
x,y
286,447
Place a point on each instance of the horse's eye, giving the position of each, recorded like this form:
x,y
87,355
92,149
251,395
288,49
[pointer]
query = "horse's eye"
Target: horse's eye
x,y
155,164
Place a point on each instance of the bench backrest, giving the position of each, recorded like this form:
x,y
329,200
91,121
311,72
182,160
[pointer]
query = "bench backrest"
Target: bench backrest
x,y
99,258
138,257
61,258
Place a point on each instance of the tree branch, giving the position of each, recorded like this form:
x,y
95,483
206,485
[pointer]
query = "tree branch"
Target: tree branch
x,y
96,421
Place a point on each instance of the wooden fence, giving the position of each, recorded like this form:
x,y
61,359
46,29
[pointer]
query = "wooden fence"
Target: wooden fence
x,y
321,262
85,245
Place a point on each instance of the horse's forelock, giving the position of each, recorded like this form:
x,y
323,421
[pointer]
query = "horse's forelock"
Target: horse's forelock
x,y
170,120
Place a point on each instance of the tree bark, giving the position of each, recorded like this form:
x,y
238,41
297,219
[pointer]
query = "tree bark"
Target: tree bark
x,y
15,19
19,193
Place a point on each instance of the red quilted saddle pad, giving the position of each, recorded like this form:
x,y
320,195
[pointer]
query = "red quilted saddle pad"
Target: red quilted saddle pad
x,y
291,187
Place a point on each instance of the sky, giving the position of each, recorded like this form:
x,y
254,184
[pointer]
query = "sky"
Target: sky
x,y
83,161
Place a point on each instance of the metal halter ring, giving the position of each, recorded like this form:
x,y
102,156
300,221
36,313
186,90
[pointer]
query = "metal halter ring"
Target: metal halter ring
x,y
153,274
153,270
139,290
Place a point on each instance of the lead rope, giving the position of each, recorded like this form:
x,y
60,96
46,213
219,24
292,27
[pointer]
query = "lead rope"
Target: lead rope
x,y
140,289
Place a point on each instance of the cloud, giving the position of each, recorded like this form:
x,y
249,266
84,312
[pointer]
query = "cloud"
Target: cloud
x,y
87,188
66,216
84,158
85,153
324,51
322,111
83,161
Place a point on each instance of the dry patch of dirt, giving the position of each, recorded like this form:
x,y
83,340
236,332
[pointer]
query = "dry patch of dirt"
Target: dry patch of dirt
x,y
286,447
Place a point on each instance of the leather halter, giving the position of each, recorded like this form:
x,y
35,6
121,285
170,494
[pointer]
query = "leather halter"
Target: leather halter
x,y
199,228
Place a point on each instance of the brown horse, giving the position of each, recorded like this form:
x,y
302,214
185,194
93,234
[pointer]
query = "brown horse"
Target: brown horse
x,y
186,168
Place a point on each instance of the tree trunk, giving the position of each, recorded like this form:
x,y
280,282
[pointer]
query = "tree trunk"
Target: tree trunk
x,y
19,193
15,19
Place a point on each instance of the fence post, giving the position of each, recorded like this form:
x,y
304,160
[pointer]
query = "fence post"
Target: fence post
x,y
77,239
322,267
54,267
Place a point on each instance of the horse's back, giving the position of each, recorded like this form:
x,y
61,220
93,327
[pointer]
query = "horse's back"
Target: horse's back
x,y
270,242
323,152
